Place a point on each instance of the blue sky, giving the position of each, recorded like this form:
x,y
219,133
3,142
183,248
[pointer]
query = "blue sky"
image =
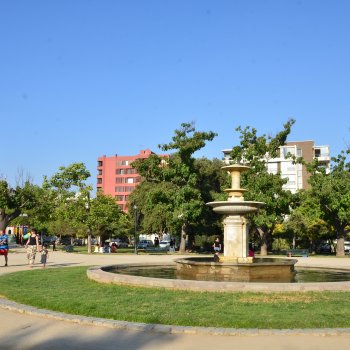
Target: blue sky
x,y
80,79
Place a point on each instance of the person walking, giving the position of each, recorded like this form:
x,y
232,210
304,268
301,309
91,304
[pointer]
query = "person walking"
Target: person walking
x,y
4,245
32,247
44,255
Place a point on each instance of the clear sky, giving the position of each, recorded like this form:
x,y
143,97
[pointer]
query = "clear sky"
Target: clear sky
x,y
84,78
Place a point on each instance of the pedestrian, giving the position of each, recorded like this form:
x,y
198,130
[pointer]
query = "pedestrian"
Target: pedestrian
x,y
217,249
172,245
44,255
251,250
54,245
114,247
4,245
32,247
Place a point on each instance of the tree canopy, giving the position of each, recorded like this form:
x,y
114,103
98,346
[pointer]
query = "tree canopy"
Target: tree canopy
x,y
170,190
332,191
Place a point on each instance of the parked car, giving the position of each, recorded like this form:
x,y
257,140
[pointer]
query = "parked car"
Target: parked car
x,y
325,248
164,244
144,243
78,242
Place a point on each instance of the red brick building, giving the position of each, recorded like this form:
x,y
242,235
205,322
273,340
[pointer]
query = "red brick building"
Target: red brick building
x,y
117,177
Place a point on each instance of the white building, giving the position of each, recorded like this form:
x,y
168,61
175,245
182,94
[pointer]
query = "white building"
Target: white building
x,y
295,173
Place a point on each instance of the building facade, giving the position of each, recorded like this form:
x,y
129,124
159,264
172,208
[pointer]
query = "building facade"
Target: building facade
x,y
116,176
296,174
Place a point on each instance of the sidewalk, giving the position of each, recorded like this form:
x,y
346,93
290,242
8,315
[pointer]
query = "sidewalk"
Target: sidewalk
x,y
23,331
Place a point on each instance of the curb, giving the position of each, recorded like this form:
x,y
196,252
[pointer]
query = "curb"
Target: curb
x,y
159,328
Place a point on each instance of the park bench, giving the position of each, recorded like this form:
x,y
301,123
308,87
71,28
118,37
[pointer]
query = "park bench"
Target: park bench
x,y
298,252
69,248
156,249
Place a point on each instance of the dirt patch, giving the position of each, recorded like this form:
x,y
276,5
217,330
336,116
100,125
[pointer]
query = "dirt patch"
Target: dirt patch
x,y
278,299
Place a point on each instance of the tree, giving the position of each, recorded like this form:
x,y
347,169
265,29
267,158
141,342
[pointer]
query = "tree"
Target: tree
x,y
305,222
72,198
263,186
15,201
105,218
174,197
211,183
332,191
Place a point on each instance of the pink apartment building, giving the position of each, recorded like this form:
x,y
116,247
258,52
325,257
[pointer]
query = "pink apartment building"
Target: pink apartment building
x,y
117,177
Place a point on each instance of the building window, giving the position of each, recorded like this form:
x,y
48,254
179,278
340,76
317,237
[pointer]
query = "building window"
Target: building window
x,y
129,180
99,171
130,171
119,197
129,188
99,181
321,152
287,150
119,189
119,180
122,162
299,152
272,168
120,171
100,163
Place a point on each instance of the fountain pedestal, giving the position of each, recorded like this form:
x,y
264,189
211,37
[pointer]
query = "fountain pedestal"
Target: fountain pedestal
x,y
235,240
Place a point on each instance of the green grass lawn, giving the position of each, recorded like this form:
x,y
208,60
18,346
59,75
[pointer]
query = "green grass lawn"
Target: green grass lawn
x,y
69,290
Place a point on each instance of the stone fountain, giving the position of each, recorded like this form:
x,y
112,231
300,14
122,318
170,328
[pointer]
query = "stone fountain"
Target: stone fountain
x,y
234,272
235,264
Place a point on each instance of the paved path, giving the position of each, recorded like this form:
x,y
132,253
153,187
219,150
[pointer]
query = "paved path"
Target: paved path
x,y
23,331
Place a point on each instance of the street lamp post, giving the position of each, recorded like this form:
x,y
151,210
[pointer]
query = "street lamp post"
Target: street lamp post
x,y
135,232
87,207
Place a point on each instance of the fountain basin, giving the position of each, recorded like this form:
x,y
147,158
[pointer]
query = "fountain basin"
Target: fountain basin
x,y
103,274
267,269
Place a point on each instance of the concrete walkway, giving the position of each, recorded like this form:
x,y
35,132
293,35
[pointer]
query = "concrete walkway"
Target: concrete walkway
x,y
25,331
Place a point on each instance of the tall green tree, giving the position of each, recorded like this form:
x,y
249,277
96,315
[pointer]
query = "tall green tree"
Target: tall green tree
x,y
72,197
263,186
305,223
15,201
173,182
105,217
77,212
332,191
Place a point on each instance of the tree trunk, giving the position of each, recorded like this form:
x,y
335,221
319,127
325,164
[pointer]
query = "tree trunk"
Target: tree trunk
x,y
89,243
340,246
182,248
3,224
5,219
263,240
